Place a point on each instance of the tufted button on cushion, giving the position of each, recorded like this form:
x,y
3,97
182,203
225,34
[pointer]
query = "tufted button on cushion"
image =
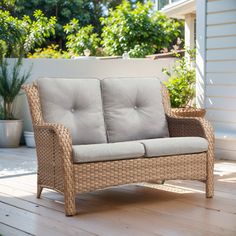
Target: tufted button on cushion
x,y
133,109
75,103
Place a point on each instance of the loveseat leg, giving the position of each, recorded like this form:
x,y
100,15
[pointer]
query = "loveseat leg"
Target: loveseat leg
x,y
70,205
39,190
209,188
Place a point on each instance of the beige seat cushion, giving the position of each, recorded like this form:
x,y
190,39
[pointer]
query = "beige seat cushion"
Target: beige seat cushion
x,y
174,146
107,151
133,109
75,103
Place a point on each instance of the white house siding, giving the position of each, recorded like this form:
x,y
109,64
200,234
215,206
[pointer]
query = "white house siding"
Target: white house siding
x,y
220,73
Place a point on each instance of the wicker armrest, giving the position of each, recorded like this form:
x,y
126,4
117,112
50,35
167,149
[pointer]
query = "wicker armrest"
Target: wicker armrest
x,y
199,127
179,127
182,127
62,135
54,148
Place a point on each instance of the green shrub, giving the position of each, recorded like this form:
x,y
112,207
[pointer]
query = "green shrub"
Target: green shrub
x,y
51,51
181,82
81,38
22,35
138,30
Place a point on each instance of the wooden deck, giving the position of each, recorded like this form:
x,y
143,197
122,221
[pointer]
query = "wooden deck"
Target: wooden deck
x,y
175,208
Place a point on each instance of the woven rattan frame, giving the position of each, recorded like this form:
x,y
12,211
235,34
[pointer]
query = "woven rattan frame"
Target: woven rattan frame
x,y
188,112
57,171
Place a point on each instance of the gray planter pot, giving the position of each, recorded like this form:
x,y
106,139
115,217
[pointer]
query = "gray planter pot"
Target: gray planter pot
x,y
10,133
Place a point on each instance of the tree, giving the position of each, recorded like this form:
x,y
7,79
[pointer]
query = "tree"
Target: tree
x,y
19,36
87,12
137,30
62,10
81,38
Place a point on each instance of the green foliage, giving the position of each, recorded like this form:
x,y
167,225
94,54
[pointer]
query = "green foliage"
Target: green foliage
x,y
137,30
11,80
81,38
141,50
132,27
87,12
181,82
51,51
22,35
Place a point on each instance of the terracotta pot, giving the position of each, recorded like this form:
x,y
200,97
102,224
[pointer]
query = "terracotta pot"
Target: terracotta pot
x,y
188,112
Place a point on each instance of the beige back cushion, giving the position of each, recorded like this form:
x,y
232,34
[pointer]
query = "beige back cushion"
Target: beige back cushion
x,y
75,103
133,109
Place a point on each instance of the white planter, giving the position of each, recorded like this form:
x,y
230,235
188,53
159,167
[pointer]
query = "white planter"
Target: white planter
x,y
29,139
10,133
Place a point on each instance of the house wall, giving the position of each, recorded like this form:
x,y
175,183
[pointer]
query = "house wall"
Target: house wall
x,y
219,71
87,68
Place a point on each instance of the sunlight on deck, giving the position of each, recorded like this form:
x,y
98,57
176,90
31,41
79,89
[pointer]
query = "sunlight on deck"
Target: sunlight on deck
x,y
173,188
223,168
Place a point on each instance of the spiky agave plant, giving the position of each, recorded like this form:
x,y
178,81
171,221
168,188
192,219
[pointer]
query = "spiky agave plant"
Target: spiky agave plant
x,y
11,80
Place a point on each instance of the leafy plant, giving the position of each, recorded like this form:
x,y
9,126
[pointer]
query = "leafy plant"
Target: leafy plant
x,y
22,35
51,51
137,30
11,81
87,12
181,82
81,38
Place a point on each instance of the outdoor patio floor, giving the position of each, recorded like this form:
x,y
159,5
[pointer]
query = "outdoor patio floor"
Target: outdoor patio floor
x,y
175,208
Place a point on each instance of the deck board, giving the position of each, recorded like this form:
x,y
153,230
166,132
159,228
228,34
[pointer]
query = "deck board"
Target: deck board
x,y
175,208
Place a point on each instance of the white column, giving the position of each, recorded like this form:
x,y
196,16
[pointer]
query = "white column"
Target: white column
x,y
189,31
201,52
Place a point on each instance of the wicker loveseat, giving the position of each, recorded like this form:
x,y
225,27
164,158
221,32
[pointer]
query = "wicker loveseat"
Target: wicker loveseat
x,y
91,134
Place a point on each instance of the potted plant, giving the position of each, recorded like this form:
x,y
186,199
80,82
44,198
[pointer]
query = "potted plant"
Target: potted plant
x,y
181,86
11,80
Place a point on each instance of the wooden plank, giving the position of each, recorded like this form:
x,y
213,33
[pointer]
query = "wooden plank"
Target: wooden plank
x,y
117,195
224,42
6,230
219,6
221,67
221,30
177,208
33,223
164,204
221,103
226,144
230,154
221,55
101,222
47,213
221,18
223,189
221,79
26,196
193,194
